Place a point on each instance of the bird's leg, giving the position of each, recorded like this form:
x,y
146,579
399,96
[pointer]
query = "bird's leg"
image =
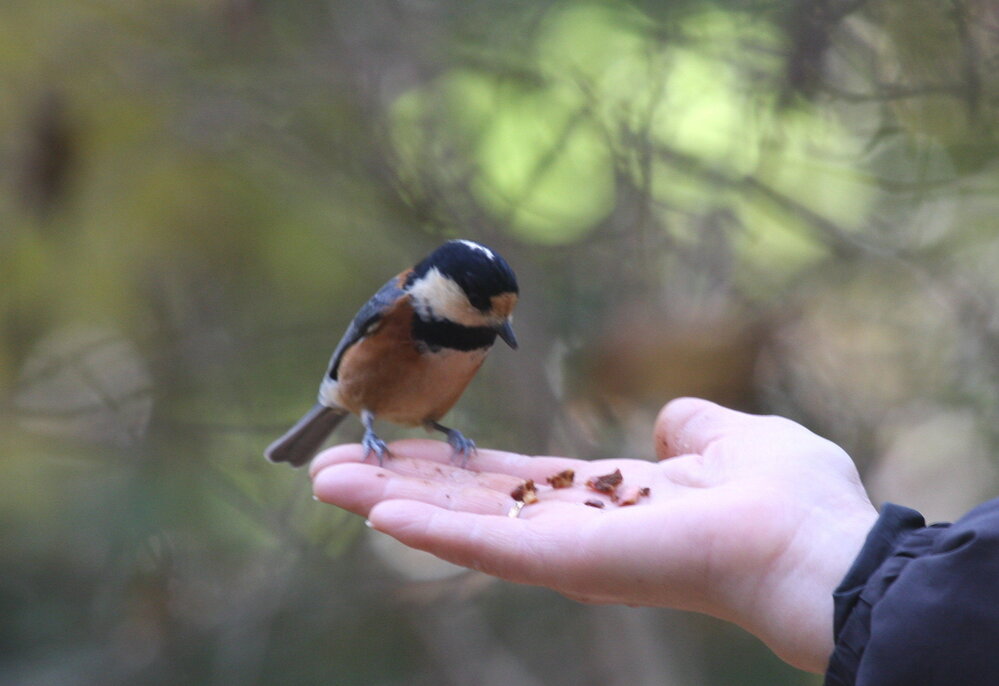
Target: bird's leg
x,y
464,447
371,442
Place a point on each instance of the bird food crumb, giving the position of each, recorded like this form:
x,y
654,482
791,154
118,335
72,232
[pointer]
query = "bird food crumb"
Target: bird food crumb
x,y
526,492
606,484
563,479
631,495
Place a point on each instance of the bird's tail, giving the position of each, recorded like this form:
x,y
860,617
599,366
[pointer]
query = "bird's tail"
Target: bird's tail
x,y
303,440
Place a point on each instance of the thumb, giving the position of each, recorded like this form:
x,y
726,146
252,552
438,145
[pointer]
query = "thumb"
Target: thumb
x,y
689,425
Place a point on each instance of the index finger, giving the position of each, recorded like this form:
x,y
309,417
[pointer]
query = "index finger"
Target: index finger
x,y
483,461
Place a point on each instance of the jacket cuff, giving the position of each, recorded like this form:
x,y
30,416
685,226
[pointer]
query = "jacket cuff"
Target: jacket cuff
x,y
852,607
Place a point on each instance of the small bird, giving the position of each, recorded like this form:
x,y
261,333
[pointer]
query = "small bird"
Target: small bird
x,y
411,350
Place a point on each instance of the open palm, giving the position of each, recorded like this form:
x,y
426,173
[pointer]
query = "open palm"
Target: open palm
x,y
751,519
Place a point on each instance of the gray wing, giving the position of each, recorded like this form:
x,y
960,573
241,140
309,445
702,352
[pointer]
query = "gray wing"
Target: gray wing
x,y
366,318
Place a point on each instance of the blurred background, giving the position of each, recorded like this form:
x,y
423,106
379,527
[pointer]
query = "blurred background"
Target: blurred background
x,y
787,207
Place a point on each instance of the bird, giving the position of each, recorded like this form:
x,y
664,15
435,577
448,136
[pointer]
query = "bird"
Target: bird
x,y
411,350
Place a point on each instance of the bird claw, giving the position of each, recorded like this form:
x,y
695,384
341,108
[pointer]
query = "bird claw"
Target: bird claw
x,y
373,444
463,447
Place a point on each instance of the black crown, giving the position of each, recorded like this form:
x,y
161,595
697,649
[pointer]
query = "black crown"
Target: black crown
x,y
480,273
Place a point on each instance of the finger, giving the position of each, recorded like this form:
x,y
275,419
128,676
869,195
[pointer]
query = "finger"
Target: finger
x,y
338,454
402,464
448,475
359,487
483,461
502,546
576,550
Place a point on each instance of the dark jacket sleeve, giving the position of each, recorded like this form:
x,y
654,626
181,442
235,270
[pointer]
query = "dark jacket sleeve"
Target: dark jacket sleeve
x,y
920,605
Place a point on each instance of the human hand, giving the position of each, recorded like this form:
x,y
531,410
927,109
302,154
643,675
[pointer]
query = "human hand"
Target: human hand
x,y
751,519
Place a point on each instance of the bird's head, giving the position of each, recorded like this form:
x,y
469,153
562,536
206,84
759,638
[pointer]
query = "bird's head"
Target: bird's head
x,y
468,284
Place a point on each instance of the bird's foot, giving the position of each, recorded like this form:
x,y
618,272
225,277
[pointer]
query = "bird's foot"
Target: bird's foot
x,y
373,444
463,447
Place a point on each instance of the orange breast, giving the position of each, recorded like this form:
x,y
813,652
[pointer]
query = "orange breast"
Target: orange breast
x,y
386,374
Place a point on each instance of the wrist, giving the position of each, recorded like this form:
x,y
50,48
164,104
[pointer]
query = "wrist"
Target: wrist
x,y
793,611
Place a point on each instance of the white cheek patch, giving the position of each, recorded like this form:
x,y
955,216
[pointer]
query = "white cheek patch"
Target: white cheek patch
x,y
481,248
438,297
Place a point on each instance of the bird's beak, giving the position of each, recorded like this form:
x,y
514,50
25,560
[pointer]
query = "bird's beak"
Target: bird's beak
x,y
505,332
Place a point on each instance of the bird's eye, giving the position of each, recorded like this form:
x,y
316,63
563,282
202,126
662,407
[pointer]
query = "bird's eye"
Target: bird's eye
x,y
480,302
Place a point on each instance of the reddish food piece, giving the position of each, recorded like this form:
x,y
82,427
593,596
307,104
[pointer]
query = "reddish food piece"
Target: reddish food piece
x,y
607,483
630,495
563,479
599,504
526,492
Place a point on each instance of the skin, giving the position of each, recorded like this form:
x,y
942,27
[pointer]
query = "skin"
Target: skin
x,y
751,519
